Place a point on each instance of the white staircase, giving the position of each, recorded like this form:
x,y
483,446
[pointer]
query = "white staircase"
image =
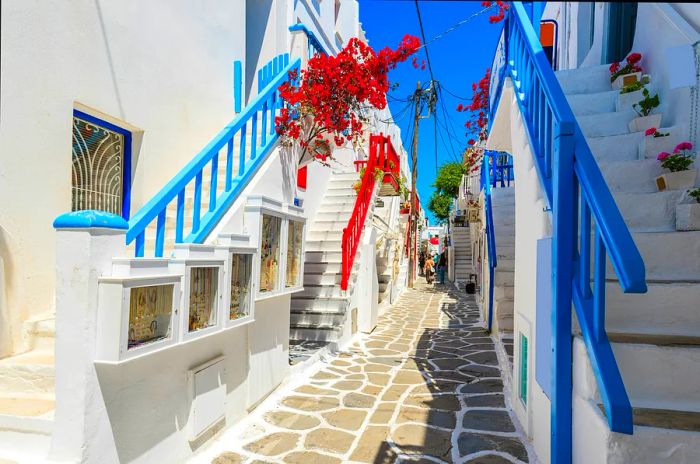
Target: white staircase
x,y
320,311
503,210
463,253
656,336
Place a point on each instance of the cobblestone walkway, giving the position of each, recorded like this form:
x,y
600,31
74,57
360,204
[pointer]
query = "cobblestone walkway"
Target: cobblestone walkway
x,y
423,387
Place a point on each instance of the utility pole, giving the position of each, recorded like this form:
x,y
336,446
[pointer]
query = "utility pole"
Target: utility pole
x,y
414,176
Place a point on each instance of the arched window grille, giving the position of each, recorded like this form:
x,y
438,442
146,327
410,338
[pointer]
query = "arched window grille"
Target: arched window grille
x,y
100,165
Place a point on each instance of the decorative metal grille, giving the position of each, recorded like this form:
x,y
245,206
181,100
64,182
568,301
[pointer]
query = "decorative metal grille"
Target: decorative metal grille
x,y
98,157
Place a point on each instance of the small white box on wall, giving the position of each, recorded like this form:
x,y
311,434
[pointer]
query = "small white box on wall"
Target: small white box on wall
x,y
208,395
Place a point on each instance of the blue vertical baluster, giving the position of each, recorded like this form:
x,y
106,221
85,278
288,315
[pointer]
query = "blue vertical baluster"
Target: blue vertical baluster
x,y
599,286
263,131
241,158
260,80
254,136
237,83
229,162
160,233
214,178
197,202
140,244
180,216
585,249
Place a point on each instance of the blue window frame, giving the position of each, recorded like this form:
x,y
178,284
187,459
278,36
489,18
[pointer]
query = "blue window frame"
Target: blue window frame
x,y
101,165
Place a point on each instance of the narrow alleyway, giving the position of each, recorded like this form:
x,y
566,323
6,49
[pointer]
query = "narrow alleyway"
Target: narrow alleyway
x,y
423,387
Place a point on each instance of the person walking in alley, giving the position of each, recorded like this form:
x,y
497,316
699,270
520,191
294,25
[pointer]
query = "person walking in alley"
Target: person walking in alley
x,y
421,262
429,270
442,266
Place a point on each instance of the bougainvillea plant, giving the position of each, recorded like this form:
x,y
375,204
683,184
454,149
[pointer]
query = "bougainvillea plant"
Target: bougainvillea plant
x,y
328,103
502,8
679,160
695,194
631,66
653,131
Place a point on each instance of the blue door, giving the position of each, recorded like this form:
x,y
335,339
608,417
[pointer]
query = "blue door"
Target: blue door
x,y
619,31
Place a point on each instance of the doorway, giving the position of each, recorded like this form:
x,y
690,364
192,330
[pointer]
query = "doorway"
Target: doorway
x,y
619,31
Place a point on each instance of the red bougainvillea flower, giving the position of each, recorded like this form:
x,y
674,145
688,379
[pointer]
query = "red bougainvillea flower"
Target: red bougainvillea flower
x,y
634,58
662,156
460,107
650,131
329,97
683,146
615,67
471,142
502,8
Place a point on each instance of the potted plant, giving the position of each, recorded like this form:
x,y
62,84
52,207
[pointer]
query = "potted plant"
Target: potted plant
x,y
621,76
631,94
653,142
688,211
405,207
643,108
681,176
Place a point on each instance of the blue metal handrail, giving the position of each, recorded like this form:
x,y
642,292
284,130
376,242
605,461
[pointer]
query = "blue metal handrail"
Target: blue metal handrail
x,y
486,182
578,199
251,155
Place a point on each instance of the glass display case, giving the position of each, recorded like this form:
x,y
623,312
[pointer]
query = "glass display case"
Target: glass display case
x,y
295,236
241,283
150,314
203,296
269,252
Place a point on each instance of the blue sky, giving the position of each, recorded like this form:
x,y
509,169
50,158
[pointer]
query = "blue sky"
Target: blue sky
x,y
458,59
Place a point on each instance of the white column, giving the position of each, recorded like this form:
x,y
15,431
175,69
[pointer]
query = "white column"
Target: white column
x,y
86,242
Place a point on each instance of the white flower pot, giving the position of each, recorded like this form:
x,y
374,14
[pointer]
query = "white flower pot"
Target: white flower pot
x,y
688,216
626,100
651,146
642,123
676,180
626,79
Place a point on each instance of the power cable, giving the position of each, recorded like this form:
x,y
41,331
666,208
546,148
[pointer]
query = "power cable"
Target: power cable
x,y
422,33
456,25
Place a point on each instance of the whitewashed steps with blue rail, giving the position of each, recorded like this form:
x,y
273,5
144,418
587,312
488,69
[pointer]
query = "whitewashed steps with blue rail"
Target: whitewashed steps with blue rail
x,y
654,335
320,311
503,212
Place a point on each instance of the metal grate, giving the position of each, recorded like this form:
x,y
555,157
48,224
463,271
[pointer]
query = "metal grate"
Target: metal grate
x,y
98,158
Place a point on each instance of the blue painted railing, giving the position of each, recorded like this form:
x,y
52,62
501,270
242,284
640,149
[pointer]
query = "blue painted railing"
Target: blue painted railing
x,y
256,119
315,45
271,70
579,201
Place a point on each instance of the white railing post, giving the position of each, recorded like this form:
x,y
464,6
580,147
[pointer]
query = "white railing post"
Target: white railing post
x,y
86,242
300,46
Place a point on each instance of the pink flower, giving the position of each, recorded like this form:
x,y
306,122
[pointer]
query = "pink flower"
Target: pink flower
x,y
663,155
650,131
683,146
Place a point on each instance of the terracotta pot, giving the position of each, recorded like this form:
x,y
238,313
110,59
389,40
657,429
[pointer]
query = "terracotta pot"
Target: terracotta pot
x,y
676,180
626,79
688,216
642,123
405,210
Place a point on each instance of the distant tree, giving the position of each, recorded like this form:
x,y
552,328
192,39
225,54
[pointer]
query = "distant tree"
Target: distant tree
x,y
439,205
449,177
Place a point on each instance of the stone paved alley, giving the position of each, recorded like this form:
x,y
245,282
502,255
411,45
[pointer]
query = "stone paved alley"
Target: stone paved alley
x,y
425,387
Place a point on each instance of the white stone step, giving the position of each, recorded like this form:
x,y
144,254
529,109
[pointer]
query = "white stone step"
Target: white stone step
x,y
333,214
503,277
339,202
668,307
335,233
321,291
591,103
324,226
319,303
329,245
327,278
504,291
40,333
621,147
649,211
345,176
631,176
314,318
585,80
28,374
316,333
656,374
668,255
605,124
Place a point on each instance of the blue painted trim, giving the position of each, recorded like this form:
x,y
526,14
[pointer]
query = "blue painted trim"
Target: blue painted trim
x,y
90,218
313,40
237,85
126,168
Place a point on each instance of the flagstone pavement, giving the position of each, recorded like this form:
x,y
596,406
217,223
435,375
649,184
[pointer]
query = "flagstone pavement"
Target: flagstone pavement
x,y
423,387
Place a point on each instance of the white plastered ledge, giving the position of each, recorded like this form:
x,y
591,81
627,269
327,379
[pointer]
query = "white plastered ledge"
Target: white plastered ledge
x,y
499,137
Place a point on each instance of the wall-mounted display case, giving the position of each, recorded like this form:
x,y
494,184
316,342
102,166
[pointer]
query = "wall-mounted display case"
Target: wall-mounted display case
x,y
270,241
295,242
239,272
136,315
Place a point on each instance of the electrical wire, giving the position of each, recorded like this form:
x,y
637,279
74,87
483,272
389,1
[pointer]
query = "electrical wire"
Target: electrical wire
x,y
422,33
456,25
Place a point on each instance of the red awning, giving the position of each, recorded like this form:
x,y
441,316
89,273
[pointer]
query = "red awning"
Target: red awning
x,y
434,241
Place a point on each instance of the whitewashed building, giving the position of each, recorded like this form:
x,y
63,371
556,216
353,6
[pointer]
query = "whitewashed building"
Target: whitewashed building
x,y
153,232
596,290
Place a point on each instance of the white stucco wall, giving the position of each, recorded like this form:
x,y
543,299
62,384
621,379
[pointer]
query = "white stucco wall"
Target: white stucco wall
x,y
165,67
